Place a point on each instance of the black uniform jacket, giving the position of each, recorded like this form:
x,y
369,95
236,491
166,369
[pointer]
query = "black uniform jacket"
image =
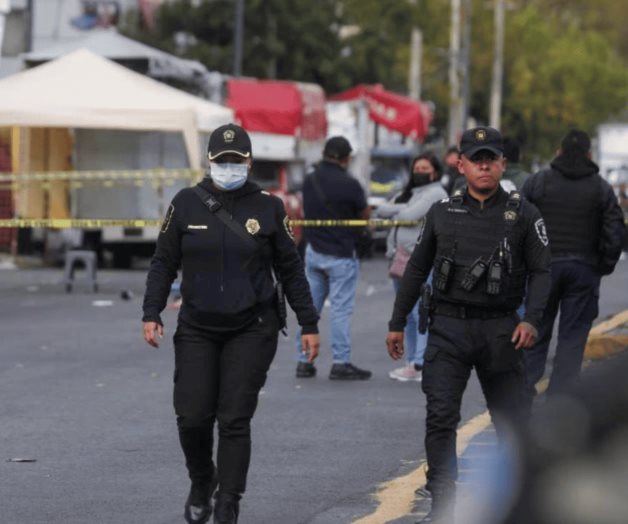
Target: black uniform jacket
x,y
584,220
530,256
225,283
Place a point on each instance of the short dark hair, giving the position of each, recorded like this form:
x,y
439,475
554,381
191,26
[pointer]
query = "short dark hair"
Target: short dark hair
x,y
452,149
576,141
337,148
512,152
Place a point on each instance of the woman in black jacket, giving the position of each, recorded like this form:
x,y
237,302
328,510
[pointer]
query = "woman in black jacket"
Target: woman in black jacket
x,y
228,237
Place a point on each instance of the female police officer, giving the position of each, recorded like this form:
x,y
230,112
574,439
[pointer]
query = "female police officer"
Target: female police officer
x,y
226,335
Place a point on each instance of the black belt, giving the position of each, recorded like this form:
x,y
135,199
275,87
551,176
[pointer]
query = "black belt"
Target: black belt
x,y
459,311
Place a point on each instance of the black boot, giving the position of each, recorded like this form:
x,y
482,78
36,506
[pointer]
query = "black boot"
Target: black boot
x,y
226,509
442,511
196,443
198,507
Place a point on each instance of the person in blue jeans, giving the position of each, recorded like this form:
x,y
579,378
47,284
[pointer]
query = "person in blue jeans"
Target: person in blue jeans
x,y
415,344
331,264
413,203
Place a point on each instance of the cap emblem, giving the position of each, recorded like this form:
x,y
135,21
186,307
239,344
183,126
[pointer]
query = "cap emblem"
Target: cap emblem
x,y
480,135
228,136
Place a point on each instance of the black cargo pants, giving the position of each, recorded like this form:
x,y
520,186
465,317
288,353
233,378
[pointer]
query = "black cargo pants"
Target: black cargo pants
x,y
218,376
456,346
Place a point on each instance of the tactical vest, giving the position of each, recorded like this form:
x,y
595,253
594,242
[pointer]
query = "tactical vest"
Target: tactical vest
x,y
468,237
572,214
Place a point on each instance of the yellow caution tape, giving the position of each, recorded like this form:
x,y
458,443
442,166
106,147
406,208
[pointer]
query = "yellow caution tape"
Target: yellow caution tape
x,y
77,223
88,223
354,223
140,174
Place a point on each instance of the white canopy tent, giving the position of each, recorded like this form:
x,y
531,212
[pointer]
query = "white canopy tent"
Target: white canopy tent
x,y
84,90
114,46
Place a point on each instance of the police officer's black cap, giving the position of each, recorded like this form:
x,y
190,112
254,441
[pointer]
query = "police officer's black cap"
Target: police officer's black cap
x,y
337,147
229,139
480,139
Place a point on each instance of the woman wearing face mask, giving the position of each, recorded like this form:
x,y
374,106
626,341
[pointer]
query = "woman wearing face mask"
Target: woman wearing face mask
x,y
227,236
413,203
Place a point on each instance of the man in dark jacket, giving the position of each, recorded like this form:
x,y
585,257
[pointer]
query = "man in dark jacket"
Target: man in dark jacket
x,y
584,228
331,263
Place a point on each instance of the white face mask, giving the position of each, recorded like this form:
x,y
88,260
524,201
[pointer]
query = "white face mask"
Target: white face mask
x,y
228,176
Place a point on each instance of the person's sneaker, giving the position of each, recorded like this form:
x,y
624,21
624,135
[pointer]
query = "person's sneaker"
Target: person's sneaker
x,y
305,370
348,372
406,374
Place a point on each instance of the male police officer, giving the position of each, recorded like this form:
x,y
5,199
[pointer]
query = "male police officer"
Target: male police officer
x,y
483,244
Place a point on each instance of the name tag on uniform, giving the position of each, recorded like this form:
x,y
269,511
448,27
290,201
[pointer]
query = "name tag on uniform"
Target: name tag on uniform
x,y
457,210
193,226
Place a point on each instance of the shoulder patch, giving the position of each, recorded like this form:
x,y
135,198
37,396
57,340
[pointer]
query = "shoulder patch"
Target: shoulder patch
x,y
286,224
167,218
541,232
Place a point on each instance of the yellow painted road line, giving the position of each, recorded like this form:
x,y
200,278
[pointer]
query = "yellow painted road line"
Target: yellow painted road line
x,y
612,323
396,497
602,344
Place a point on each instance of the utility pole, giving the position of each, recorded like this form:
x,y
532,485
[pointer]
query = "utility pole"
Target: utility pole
x,y
465,62
238,38
5,9
498,66
416,58
454,71
28,27
416,53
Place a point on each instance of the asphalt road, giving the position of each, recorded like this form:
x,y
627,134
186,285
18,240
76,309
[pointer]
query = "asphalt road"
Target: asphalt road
x,y
90,403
